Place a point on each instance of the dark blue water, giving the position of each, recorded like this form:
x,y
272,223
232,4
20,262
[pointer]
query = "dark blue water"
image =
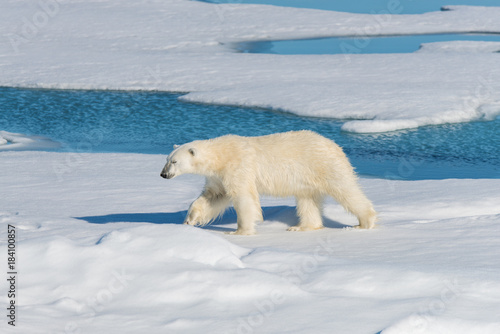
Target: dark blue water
x,y
368,6
358,45
151,122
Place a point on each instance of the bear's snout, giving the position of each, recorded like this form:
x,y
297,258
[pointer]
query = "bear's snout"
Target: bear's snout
x,y
166,175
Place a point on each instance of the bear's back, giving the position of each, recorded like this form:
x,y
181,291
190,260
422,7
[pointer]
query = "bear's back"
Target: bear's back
x,y
296,144
298,160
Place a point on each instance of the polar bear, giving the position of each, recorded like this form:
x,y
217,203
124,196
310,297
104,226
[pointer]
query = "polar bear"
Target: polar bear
x,y
238,169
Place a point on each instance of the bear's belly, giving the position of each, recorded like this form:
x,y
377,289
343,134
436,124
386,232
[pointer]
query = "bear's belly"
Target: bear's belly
x,y
285,185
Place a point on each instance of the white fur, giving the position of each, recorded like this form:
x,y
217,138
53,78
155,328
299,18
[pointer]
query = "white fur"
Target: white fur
x,y
238,169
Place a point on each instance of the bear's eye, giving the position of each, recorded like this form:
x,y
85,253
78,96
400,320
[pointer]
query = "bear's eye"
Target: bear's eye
x,y
174,161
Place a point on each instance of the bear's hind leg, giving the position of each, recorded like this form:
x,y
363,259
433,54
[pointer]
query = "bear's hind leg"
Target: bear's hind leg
x,y
352,198
368,218
248,211
309,212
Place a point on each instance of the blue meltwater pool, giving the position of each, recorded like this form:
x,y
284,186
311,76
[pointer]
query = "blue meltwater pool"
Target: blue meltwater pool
x,y
367,6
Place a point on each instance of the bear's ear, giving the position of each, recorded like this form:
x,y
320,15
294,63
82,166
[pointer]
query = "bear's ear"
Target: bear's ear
x,y
176,146
192,151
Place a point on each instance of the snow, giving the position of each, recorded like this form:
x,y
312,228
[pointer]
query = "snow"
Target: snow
x,y
431,325
102,249
188,46
19,141
461,47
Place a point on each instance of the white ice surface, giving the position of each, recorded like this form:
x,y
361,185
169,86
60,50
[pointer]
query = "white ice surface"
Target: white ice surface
x,y
461,47
19,141
180,45
101,249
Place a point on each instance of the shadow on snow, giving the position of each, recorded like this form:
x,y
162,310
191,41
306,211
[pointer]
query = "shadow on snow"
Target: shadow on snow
x,y
285,214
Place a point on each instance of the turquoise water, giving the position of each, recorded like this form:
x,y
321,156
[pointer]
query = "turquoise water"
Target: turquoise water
x,y
151,122
369,6
358,45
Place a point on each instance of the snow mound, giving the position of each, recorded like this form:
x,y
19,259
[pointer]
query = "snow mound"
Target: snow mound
x,y
173,242
19,141
149,268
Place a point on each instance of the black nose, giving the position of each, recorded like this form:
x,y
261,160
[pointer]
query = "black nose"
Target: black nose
x,y
163,175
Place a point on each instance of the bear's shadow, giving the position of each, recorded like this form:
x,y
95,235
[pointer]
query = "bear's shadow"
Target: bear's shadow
x,y
284,214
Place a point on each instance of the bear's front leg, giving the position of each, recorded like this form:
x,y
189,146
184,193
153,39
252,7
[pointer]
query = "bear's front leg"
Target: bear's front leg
x,y
206,208
212,202
197,213
248,210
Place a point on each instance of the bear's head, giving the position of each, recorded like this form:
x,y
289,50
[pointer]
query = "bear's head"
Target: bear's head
x,y
182,160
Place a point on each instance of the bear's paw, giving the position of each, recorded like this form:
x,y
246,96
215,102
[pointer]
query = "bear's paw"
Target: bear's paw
x,y
242,232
